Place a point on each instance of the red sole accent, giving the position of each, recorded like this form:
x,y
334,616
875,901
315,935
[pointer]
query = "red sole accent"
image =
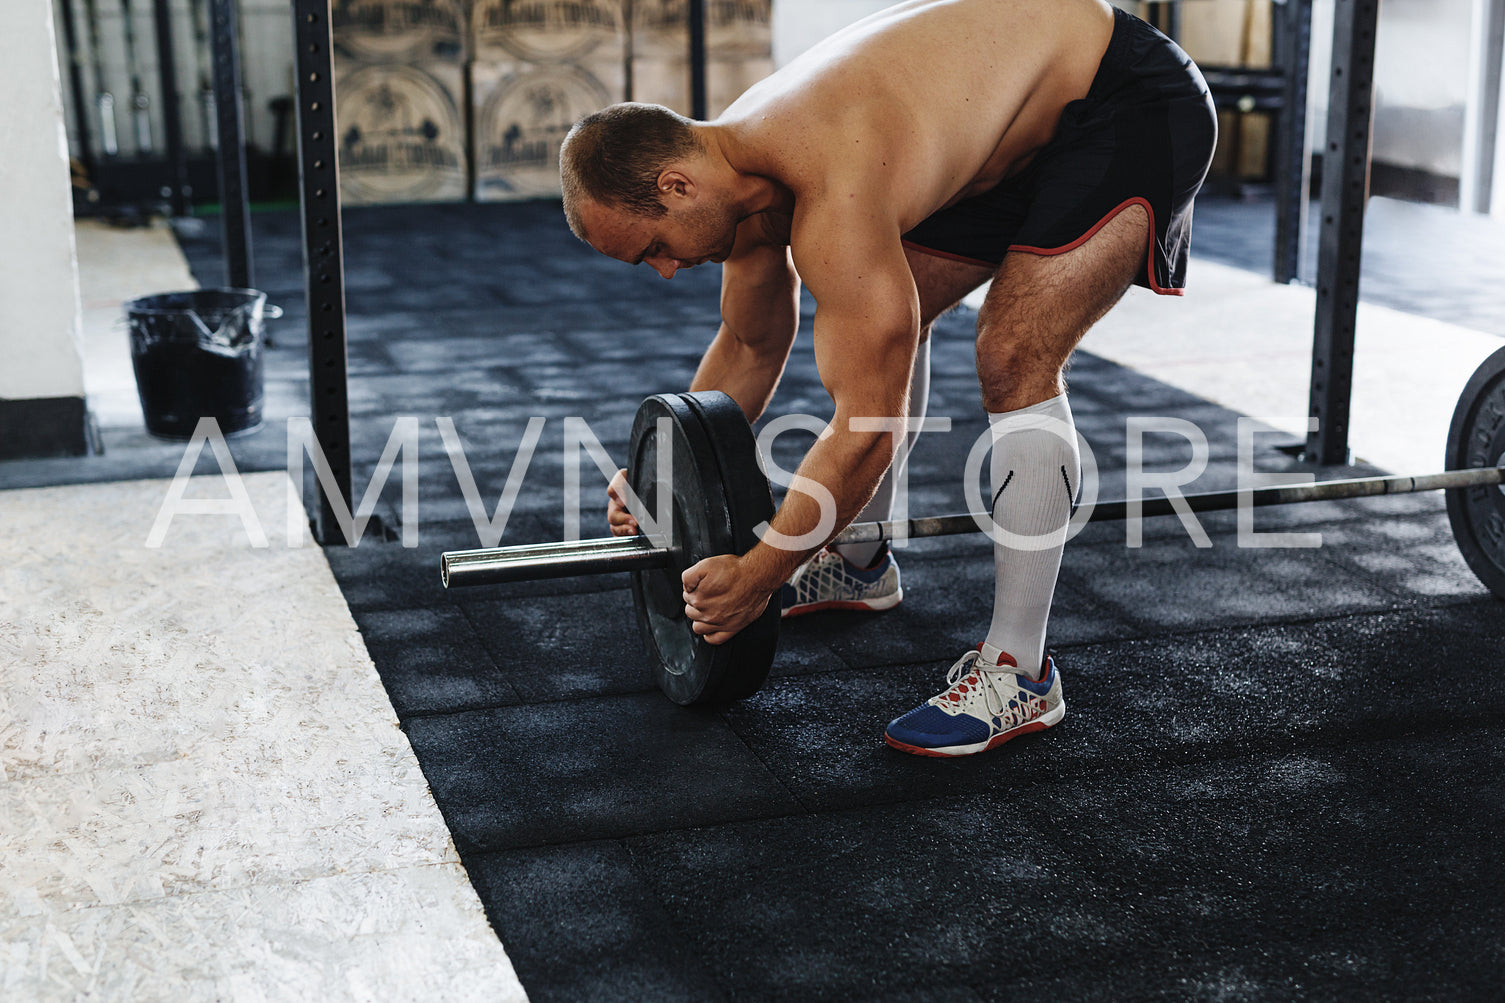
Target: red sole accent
x,y
993,743
856,604
914,750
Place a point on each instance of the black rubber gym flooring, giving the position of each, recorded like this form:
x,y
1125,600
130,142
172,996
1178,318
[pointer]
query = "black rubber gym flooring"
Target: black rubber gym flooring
x,y
1281,774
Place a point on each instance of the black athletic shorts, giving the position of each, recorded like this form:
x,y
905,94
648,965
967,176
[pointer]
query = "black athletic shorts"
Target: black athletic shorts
x,y
1143,134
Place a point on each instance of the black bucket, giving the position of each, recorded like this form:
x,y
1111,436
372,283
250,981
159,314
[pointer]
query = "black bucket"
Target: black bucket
x,y
197,354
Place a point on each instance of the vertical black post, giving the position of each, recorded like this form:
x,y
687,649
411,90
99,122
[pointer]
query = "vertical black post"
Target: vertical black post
x,y
76,85
1345,189
1293,50
1173,20
697,60
323,256
172,123
234,201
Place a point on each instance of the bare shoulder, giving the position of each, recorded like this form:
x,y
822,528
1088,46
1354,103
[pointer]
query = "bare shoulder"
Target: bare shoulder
x,y
847,246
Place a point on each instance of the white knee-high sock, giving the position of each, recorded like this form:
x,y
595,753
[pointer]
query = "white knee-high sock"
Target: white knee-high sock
x,y
1036,472
882,504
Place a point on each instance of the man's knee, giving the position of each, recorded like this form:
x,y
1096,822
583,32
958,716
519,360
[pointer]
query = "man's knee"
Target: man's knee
x,y
1016,371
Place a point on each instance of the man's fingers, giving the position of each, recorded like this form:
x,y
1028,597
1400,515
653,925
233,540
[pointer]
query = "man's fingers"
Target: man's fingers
x,y
713,633
618,519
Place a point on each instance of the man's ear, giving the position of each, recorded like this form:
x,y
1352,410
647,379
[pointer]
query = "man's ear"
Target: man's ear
x,y
673,183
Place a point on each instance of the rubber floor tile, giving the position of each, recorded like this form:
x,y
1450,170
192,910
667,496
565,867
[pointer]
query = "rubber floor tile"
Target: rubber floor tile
x,y
561,647
1173,584
580,923
1415,558
386,575
588,769
1363,872
431,660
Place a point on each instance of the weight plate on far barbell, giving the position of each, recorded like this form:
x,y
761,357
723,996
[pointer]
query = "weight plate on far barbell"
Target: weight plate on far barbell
x,y
719,496
1477,439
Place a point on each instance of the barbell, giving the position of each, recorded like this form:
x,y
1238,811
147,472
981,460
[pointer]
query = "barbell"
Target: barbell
x,y
718,494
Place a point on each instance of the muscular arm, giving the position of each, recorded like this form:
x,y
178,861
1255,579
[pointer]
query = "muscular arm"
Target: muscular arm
x,y
759,318
866,328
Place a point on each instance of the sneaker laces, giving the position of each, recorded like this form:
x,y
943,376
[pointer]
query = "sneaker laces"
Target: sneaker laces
x,y
965,676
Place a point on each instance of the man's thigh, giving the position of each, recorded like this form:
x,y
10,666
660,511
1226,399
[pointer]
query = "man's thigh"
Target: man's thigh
x,y
1040,306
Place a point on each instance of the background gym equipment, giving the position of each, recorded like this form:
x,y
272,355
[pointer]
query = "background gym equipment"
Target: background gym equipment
x,y
719,496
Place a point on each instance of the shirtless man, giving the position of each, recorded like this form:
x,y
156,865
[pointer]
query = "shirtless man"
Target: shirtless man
x,y
1052,146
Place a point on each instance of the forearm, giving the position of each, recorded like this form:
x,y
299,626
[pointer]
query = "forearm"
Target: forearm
x,y
846,464
744,371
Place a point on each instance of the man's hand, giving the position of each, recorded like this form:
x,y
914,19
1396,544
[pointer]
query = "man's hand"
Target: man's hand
x,y
721,597
621,521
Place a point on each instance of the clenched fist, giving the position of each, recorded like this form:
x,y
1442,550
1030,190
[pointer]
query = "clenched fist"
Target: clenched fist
x,y
721,597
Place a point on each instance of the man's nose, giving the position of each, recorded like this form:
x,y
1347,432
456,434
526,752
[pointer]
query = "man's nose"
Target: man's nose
x,y
665,266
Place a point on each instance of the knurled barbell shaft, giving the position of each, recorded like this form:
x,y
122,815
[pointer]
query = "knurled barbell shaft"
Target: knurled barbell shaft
x,y
1208,501
635,553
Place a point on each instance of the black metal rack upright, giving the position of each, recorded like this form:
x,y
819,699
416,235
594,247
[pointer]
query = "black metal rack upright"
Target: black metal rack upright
x,y
235,201
697,60
1293,49
178,191
1345,191
323,255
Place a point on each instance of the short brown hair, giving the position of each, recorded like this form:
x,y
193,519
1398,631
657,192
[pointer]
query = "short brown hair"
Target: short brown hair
x,y
614,157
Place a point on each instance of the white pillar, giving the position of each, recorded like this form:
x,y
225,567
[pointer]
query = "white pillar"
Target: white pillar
x,y
1480,144
41,354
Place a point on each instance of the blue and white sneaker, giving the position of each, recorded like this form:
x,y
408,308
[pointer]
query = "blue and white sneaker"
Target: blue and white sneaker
x,y
830,581
983,707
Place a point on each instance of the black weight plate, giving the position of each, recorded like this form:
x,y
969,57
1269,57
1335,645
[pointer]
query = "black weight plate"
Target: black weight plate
x,y
713,514
749,503
1477,439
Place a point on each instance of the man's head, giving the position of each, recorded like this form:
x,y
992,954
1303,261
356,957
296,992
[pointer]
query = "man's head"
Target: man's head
x,y
639,186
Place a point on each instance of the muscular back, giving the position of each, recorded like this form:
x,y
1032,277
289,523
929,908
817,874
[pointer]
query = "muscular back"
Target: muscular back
x,y
921,104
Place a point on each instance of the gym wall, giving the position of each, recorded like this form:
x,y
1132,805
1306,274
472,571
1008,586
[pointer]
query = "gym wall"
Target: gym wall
x,y
739,51
399,71
538,68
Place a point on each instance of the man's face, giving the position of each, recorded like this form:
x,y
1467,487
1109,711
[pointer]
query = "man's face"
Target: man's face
x,y
693,232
